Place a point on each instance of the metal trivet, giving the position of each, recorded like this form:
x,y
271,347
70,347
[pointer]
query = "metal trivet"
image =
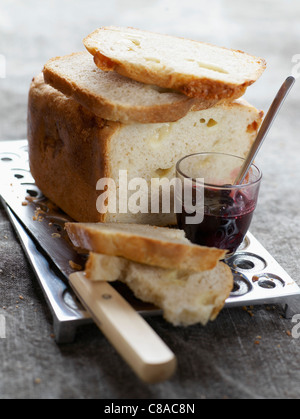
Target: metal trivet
x,y
258,278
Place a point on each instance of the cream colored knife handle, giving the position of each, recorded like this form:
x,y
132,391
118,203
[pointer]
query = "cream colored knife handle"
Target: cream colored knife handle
x,y
128,332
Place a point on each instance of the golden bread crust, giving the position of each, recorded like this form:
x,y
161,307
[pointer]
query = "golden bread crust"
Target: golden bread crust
x,y
67,167
143,249
208,92
190,83
98,100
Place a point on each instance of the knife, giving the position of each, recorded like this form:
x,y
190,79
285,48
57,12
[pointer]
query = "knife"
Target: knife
x,y
133,338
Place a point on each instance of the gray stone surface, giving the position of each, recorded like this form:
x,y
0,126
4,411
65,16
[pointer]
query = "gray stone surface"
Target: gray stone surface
x,y
221,360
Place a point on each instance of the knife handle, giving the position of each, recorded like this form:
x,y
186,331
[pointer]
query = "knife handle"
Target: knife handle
x,y
127,331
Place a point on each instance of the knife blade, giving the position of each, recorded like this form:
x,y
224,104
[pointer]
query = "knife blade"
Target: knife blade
x,y
67,312
45,223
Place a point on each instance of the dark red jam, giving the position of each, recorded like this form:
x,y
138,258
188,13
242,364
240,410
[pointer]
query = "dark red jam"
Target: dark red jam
x,y
227,217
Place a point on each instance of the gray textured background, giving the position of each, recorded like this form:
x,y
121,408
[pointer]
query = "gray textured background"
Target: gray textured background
x,y
221,360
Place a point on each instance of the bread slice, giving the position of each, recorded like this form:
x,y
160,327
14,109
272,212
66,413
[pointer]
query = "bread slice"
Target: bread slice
x,y
194,68
186,298
71,148
155,246
112,96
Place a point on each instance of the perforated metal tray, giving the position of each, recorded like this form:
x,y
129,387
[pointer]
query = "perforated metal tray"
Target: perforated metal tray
x,y
258,278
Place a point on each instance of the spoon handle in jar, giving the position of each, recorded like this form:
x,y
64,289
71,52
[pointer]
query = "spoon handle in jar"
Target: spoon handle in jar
x,y
265,128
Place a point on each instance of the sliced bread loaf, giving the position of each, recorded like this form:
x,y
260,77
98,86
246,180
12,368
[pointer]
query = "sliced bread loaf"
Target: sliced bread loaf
x,y
195,68
155,246
186,298
115,97
71,148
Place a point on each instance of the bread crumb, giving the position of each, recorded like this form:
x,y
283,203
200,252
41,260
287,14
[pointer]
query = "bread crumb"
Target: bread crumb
x,y
55,235
248,310
257,341
75,266
289,333
29,198
24,204
37,381
38,215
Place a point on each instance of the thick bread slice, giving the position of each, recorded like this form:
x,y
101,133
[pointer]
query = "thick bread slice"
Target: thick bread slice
x,y
194,68
155,246
112,96
186,298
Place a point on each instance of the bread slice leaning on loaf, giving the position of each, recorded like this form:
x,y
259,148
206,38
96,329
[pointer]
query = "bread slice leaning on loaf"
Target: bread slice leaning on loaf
x,y
186,298
71,148
115,97
194,68
154,246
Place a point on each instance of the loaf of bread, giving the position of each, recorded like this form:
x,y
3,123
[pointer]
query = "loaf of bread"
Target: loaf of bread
x,y
185,298
115,97
195,68
71,148
155,246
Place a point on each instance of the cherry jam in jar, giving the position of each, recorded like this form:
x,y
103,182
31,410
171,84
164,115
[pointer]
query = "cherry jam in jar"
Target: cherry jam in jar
x,y
227,217
227,208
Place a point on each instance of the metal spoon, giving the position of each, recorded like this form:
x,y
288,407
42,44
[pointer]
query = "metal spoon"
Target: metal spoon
x,y
268,121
